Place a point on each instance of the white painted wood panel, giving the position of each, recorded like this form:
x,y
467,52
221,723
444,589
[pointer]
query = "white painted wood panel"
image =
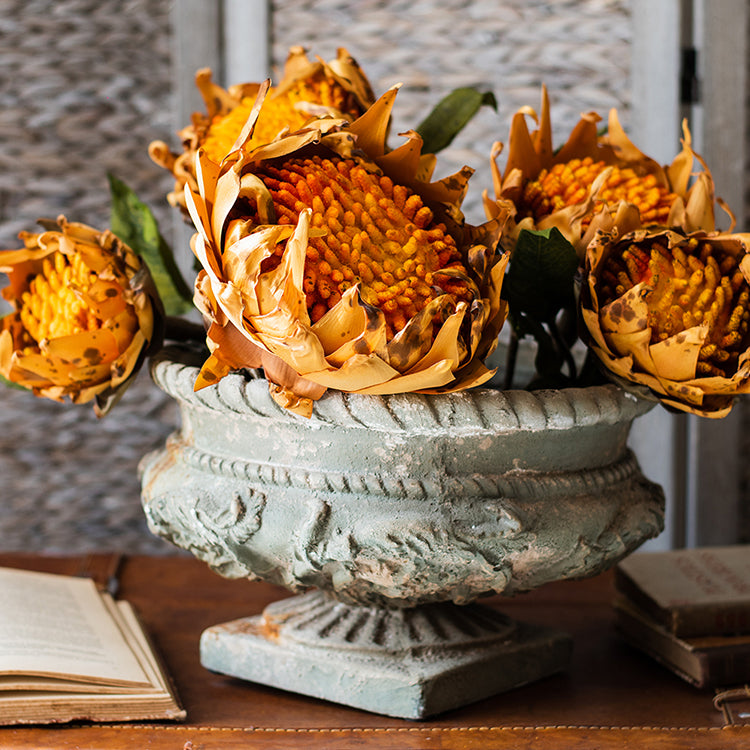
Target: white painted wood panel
x,y
720,34
658,438
696,460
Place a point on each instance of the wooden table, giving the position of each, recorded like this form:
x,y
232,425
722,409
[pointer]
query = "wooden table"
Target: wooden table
x,y
611,697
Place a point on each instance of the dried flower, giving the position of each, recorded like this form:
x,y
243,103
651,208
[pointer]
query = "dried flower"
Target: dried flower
x,y
591,174
307,89
671,311
335,263
84,317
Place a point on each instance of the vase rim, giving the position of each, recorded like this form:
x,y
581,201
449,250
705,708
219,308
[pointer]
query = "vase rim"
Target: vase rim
x,y
174,370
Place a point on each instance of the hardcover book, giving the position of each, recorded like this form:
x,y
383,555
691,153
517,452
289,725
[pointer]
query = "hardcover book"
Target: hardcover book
x,y
691,592
708,661
71,652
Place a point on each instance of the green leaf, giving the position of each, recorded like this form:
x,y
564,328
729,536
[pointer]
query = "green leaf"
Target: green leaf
x,y
11,384
541,276
132,221
451,116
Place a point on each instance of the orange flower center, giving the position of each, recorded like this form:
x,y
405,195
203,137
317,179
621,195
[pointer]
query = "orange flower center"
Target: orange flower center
x,y
53,306
569,183
278,112
379,235
692,284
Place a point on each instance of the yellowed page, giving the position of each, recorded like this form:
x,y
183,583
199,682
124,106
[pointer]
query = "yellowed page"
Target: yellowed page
x,y
59,625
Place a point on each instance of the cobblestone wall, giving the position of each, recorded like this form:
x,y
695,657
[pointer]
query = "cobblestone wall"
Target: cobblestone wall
x,y
579,48
85,85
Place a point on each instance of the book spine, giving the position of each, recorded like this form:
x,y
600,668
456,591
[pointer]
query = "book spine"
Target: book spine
x,y
723,667
725,619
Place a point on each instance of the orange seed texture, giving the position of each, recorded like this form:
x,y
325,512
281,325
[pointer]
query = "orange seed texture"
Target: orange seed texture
x,y
379,234
568,183
692,284
54,305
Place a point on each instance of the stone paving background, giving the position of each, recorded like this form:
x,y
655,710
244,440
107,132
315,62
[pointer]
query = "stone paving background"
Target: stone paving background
x,y
84,87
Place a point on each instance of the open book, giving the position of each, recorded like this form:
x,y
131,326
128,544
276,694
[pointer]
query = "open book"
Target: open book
x,y
69,651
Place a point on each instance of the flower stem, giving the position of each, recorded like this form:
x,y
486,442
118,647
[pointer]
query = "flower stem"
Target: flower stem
x,y
510,360
179,329
563,349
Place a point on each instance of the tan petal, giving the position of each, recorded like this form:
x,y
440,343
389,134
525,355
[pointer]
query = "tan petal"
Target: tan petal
x,y
680,171
360,372
676,358
434,376
543,137
413,342
211,372
699,211
371,129
591,321
473,375
628,313
523,158
89,346
289,400
720,408
445,347
348,328
583,140
249,126
636,343
280,373
403,163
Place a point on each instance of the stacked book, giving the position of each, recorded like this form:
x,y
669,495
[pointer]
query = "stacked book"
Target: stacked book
x,y
689,610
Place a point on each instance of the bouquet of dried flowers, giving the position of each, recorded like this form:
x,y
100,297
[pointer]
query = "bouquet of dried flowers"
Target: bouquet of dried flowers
x,y
331,259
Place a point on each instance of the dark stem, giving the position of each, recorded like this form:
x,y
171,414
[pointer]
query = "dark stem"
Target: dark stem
x,y
179,329
563,349
510,360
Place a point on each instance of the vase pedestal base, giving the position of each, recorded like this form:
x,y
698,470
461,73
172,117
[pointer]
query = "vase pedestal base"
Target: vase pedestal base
x,y
407,663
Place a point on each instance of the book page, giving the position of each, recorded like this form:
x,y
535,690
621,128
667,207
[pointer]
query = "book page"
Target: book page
x,y
53,624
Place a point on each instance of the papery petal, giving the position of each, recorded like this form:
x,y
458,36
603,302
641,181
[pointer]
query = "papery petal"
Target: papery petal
x,y
545,197
86,314
644,339
438,374
262,279
676,358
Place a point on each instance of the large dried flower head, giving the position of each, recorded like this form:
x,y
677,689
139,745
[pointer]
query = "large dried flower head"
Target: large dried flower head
x,y
307,89
335,263
592,174
85,314
671,311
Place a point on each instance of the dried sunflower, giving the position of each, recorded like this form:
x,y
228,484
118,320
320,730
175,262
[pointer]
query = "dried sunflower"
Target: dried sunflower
x,y
671,311
85,314
307,89
335,263
566,188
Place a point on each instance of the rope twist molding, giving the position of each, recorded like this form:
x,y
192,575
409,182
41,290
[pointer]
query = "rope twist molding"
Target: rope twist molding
x,y
519,484
466,411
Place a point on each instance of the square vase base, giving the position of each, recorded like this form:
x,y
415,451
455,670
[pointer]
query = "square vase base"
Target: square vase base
x,y
355,660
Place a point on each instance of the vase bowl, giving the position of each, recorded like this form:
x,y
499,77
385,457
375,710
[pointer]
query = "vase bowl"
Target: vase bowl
x,y
395,503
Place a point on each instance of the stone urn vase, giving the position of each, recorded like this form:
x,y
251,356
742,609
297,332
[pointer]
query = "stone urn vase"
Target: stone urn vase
x,y
390,516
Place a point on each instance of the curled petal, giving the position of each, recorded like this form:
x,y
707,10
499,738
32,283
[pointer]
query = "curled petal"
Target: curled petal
x,y
333,256
85,315
565,188
670,312
307,90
